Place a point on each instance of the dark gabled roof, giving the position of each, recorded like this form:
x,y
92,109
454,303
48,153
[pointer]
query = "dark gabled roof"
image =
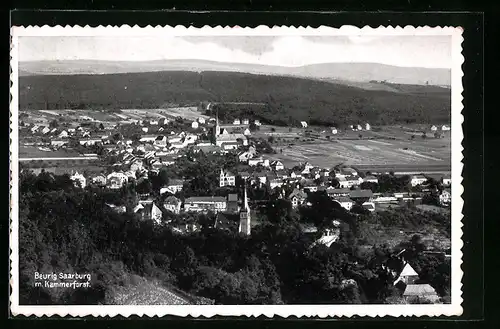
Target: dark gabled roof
x,y
298,193
205,199
172,200
227,221
361,194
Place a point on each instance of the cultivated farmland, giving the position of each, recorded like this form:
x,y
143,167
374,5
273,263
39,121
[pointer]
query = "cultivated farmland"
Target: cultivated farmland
x,y
392,148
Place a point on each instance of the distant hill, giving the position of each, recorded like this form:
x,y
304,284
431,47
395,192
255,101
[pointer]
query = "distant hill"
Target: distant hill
x,y
359,72
288,99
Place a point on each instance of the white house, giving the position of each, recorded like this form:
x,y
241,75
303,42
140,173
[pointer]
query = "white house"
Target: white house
x,y
190,139
153,122
418,180
434,128
274,182
407,276
257,122
445,197
172,204
344,202
277,165
201,121
245,121
370,206
236,122
297,197
349,181
245,156
195,125
258,161
334,131
304,124
63,134
367,126
247,132
161,141
226,178
145,129
45,130
90,141
445,128
328,237
79,180
359,127
115,180
174,186
447,181
99,180
34,129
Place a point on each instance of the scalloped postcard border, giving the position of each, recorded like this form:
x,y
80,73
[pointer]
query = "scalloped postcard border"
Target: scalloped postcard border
x,y
321,311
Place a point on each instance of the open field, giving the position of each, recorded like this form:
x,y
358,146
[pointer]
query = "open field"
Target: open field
x,y
34,152
390,150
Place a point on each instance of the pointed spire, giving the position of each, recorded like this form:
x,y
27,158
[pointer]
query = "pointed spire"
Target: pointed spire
x,y
245,198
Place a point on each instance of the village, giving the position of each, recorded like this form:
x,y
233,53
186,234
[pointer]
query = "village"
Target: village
x,y
135,150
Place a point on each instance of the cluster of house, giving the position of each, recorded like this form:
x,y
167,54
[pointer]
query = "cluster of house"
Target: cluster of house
x,y
358,127
245,121
60,136
414,292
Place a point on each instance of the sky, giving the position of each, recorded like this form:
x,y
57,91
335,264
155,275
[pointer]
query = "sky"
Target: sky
x,y
288,51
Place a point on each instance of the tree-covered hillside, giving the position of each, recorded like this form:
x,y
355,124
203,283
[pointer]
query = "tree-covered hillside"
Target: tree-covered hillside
x,y
287,99
65,229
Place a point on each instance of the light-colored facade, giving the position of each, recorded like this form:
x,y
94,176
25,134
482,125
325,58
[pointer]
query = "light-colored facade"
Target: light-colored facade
x,y
204,204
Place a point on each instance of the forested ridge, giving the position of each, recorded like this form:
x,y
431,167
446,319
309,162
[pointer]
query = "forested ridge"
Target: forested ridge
x,y
63,228
287,100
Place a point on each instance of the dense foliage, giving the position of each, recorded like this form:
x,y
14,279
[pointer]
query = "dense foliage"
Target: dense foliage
x,y
281,100
63,229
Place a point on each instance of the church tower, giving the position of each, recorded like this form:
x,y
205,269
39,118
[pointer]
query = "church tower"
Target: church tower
x,y
217,127
245,215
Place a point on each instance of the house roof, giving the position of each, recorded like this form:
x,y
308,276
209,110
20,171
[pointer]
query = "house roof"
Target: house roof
x,y
342,199
298,193
172,200
230,137
226,221
419,290
232,197
228,173
361,193
408,271
205,199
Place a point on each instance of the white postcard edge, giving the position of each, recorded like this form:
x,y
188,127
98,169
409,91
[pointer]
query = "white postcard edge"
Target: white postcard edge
x,y
321,311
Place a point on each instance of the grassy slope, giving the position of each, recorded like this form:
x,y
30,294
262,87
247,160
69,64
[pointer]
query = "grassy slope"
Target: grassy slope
x,y
288,97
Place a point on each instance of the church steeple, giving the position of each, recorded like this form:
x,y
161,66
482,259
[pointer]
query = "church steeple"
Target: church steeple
x,y
217,127
245,218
